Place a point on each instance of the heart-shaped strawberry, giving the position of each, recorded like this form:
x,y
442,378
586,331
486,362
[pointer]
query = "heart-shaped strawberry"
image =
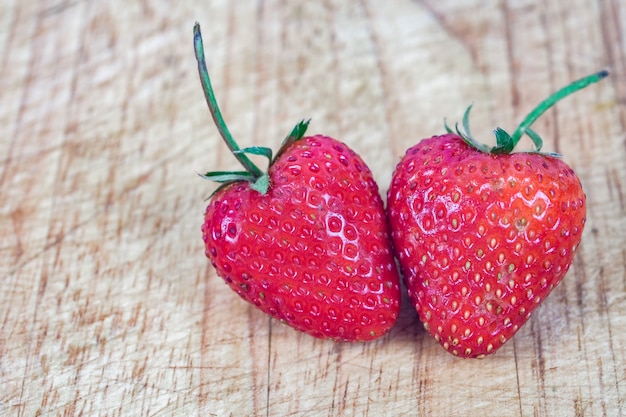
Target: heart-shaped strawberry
x,y
482,234
307,242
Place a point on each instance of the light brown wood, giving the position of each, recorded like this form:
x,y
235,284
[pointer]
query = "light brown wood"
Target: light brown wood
x,y
108,305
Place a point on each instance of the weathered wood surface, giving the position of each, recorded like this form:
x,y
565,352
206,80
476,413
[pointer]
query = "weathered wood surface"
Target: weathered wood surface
x,y
107,303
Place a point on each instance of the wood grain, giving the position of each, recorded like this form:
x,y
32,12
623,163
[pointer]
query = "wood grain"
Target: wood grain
x,y
107,303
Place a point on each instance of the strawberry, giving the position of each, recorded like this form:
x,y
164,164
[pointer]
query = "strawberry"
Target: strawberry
x,y
306,242
483,235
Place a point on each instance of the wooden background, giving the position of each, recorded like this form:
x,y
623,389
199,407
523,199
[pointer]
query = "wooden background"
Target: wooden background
x,y
107,303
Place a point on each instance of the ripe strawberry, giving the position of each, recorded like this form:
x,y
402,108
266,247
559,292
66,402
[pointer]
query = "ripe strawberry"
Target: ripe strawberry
x,y
484,235
307,242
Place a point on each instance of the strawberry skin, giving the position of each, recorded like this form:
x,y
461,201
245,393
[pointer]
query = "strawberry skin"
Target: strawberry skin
x,y
481,238
315,250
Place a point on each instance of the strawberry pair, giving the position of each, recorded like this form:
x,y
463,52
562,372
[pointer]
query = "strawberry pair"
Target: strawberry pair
x,y
482,235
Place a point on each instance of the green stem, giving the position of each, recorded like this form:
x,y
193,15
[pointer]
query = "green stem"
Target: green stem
x,y
214,108
550,101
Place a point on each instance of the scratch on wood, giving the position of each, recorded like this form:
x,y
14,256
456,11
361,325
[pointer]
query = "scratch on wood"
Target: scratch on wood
x,y
375,42
457,30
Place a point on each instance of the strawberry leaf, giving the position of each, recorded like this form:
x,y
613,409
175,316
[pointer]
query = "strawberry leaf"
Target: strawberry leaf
x,y
534,136
295,135
257,150
262,184
228,176
504,142
466,127
465,134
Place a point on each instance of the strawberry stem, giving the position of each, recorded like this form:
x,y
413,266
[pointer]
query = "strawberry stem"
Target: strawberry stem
x,y
524,126
209,95
505,143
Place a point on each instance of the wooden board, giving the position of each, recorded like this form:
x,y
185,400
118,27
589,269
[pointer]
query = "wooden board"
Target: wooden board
x,y
107,303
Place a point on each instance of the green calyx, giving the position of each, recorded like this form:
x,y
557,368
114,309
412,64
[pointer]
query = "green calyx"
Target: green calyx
x,y
505,142
258,178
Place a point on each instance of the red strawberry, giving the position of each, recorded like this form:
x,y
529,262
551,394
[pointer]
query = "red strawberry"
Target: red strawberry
x,y
308,241
484,235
